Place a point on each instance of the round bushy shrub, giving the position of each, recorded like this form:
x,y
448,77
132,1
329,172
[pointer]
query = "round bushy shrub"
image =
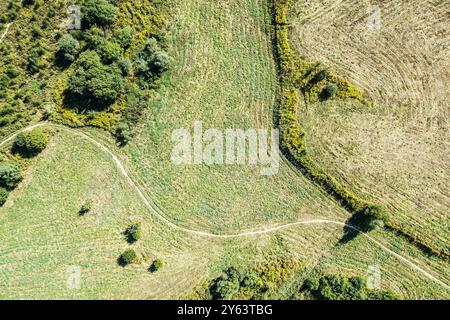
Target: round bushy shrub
x,y
151,60
68,48
133,232
10,176
156,265
93,82
109,51
375,217
128,257
329,91
125,36
99,12
3,196
123,133
30,143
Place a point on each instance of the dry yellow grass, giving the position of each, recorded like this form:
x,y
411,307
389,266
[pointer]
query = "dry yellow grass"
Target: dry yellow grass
x,y
397,151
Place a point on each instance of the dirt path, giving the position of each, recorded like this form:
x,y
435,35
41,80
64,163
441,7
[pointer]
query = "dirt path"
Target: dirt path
x,y
5,32
135,186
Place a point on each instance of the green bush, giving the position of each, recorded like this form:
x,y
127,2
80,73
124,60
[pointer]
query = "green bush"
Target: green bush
x,y
10,176
151,60
337,287
156,265
34,62
328,92
94,84
133,233
28,2
99,12
68,48
125,36
375,217
125,66
123,133
128,257
109,51
30,143
3,196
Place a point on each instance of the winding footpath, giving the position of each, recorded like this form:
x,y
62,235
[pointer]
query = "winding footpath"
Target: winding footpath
x,y
4,33
144,199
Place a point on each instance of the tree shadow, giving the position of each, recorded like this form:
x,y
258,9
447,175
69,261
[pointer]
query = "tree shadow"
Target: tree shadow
x,y
355,225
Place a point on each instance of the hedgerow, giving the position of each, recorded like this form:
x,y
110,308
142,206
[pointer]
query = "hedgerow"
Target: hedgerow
x,y
292,134
337,287
256,283
292,74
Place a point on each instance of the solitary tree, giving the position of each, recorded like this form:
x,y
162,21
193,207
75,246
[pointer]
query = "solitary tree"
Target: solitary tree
x,y
156,265
30,143
128,257
328,92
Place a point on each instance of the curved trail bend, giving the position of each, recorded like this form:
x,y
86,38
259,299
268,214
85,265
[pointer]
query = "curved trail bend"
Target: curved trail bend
x,y
135,186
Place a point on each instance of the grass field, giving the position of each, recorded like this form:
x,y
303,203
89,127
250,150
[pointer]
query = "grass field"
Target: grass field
x,y
41,244
222,73
396,151
43,233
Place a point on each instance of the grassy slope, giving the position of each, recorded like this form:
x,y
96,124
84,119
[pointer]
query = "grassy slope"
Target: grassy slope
x,y
223,74
42,233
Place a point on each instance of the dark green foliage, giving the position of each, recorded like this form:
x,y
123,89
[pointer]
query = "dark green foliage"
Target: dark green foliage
x,y
93,83
3,196
12,72
10,176
375,216
99,12
336,287
123,133
28,2
258,283
151,61
321,75
128,257
125,36
68,48
109,51
136,102
94,37
226,286
156,265
34,61
125,66
133,233
86,207
36,32
328,92
31,143
4,84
